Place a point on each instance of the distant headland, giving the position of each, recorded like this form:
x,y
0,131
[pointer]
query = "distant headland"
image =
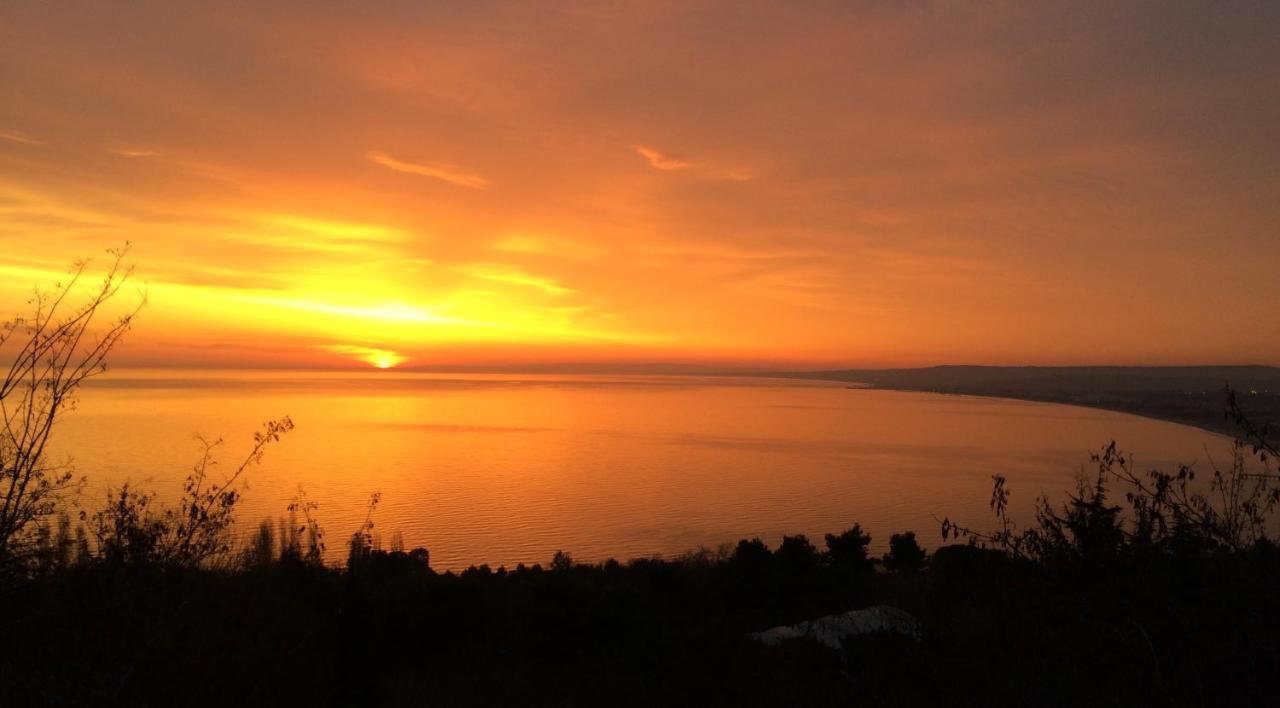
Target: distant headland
x,y
1194,395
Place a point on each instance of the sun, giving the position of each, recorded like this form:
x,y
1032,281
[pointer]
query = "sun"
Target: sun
x,y
383,359
377,358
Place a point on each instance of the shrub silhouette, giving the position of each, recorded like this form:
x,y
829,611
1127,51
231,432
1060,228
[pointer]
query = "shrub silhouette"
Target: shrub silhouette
x,y
363,543
905,554
1165,515
51,352
302,539
131,529
796,554
260,550
848,551
751,554
60,548
561,561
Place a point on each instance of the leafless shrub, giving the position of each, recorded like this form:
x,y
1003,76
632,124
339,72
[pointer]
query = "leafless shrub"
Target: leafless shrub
x,y
196,530
1166,511
301,536
51,353
363,543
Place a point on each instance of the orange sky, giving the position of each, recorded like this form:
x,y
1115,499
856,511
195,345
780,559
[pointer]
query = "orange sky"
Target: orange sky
x,y
814,183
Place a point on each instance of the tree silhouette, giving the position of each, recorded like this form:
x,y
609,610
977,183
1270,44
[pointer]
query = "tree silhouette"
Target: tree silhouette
x,y
52,352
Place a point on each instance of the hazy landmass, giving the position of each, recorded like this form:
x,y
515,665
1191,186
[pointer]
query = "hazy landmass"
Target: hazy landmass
x,y
1194,395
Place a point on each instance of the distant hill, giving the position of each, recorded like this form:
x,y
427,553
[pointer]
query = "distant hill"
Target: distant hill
x,y
1185,394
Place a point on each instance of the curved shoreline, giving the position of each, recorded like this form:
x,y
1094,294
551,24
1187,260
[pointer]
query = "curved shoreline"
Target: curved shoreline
x,y
1224,430
1193,396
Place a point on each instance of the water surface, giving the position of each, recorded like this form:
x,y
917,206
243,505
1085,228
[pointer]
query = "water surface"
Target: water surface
x,y
505,469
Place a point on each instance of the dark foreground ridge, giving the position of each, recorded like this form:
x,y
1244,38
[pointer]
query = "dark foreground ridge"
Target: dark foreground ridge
x,y
390,631
1183,394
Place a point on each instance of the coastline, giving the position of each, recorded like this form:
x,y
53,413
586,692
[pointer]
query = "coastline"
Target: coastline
x,y
1193,396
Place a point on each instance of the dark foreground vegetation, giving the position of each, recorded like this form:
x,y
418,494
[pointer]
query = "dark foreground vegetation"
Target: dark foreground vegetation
x,y
1183,394
1143,588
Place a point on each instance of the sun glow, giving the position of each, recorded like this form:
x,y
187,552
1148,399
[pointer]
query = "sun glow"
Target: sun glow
x,y
384,359
378,358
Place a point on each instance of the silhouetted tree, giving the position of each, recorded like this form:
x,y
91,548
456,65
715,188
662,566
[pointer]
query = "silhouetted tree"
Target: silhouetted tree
x,y
848,551
561,561
905,554
796,554
751,555
52,352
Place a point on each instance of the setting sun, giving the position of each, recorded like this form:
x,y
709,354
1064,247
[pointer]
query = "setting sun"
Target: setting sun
x,y
384,359
378,358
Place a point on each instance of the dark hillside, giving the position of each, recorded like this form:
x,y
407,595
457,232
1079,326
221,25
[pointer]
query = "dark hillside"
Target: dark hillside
x,y
1186,394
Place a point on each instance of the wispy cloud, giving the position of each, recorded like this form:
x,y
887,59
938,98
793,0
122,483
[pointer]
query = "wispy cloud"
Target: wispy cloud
x,y
448,173
300,233
659,161
337,230
132,152
501,273
19,137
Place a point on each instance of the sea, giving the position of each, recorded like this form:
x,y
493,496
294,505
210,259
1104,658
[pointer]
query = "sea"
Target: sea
x,y
510,468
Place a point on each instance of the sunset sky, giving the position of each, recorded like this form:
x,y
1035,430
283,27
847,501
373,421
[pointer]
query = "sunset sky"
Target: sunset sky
x,y
724,184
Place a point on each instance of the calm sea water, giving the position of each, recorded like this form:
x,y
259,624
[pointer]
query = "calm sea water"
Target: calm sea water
x,y
506,469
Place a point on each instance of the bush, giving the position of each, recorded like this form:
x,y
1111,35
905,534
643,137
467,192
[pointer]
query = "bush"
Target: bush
x,y
1166,514
129,531
561,562
751,555
49,354
848,551
796,554
905,554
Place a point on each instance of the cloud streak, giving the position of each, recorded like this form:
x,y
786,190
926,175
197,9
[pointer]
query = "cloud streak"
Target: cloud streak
x,y
500,273
19,137
132,152
659,161
447,173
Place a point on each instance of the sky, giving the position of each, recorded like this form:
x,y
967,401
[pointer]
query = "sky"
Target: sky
x,y
791,184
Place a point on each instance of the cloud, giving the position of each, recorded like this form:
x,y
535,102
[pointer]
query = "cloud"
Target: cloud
x,y
337,230
17,136
300,233
659,161
501,273
132,152
669,163
448,173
